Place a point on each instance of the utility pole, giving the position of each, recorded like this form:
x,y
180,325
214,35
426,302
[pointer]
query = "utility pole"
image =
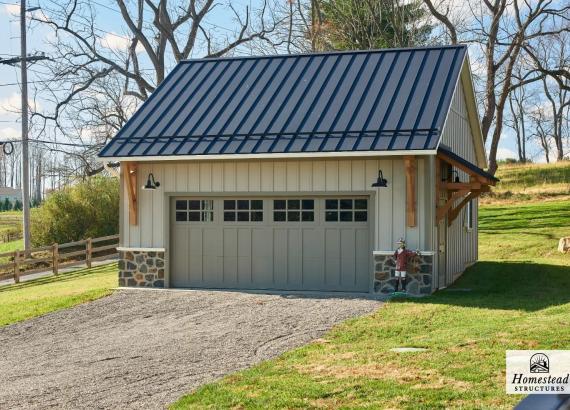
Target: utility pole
x,y
23,60
25,159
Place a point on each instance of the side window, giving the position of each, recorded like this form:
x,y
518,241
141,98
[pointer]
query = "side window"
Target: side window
x,y
346,210
243,210
294,210
194,210
469,215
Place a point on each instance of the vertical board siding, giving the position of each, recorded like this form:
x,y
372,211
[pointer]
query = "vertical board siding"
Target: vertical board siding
x,y
462,245
388,206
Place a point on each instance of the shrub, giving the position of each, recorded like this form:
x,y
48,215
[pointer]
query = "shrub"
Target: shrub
x,y
7,205
87,209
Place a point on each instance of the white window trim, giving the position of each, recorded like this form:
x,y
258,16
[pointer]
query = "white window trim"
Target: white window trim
x,y
468,221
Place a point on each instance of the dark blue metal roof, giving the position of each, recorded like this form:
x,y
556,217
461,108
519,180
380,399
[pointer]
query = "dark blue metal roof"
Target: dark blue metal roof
x,y
392,99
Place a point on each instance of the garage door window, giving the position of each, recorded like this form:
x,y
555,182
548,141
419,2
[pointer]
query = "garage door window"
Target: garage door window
x,y
194,210
243,210
346,210
294,210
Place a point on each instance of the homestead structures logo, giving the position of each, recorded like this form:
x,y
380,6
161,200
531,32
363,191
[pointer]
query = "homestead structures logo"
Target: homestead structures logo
x,y
539,363
535,372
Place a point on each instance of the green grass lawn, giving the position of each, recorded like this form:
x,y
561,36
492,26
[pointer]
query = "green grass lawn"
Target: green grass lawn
x,y
39,296
516,297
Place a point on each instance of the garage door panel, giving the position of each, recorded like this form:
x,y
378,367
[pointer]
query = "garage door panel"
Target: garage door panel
x,y
212,271
244,257
262,257
332,257
313,258
230,252
294,259
347,257
195,257
280,252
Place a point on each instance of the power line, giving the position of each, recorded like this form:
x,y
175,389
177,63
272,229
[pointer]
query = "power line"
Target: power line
x,y
15,60
29,82
70,144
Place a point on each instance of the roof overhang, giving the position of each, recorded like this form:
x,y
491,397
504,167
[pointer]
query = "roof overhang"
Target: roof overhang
x,y
458,193
284,155
445,153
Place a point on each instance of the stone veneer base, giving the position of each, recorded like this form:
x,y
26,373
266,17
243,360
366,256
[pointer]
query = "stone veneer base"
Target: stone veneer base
x,y
420,274
141,268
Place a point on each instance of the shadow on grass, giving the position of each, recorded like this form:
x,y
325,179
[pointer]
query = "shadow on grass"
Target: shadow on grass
x,y
524,286
62,277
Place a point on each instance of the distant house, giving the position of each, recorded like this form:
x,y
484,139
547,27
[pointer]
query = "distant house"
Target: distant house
x,y
12,194
267,172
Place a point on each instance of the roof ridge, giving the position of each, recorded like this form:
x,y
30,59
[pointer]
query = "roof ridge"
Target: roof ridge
x,y
326,53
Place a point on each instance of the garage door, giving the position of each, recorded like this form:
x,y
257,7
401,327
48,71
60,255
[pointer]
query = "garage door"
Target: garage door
x,y
282,243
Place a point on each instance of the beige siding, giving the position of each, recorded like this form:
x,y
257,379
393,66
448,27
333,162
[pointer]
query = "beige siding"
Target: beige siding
x,y
462,245
283,176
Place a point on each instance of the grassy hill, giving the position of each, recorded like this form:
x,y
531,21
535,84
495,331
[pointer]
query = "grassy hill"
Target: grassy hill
x,y
531,182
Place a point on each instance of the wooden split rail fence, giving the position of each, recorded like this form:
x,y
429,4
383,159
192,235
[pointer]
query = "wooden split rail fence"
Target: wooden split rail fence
x,y
57,256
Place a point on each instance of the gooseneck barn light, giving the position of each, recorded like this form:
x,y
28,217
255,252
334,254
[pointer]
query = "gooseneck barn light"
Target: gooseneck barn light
x,y
453,172
151,184
381,182
456,176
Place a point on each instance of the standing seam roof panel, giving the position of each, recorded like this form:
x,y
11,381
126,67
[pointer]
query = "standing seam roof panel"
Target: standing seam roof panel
x,y
363,100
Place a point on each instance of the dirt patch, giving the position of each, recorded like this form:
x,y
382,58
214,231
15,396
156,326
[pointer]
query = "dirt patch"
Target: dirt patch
x,y
420,378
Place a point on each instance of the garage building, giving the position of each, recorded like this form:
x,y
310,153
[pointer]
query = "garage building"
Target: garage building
x,y
300,172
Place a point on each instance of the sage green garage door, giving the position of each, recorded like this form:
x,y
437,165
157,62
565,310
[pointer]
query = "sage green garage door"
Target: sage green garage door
x,y
283,243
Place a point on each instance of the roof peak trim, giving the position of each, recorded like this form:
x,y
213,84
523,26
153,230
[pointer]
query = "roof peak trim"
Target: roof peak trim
x,y
325,53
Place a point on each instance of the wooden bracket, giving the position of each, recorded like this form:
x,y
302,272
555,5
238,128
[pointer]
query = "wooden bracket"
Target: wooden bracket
x,y
131,181
411,168
465,191
442,210
455,211
459,186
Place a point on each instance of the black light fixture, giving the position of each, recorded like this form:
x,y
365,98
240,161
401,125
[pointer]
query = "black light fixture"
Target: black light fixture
x,y
151,183
456,176
381,182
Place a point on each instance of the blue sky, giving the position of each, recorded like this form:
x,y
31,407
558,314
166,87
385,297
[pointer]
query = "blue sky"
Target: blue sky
x,y
109,24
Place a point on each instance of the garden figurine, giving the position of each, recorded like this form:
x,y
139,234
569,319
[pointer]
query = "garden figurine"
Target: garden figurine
x,y
401,256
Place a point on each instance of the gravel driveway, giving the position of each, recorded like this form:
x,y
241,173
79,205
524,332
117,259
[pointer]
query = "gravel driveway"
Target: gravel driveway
x,y
144,349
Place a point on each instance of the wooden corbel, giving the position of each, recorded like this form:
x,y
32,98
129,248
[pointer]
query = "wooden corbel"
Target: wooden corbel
x,y
442,210
459,186
411,168
131,181
453,213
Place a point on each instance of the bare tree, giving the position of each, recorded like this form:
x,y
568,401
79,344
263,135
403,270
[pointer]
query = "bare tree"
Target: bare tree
x,y
445,19
98,78
559,101
518,121
505,32
542,130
